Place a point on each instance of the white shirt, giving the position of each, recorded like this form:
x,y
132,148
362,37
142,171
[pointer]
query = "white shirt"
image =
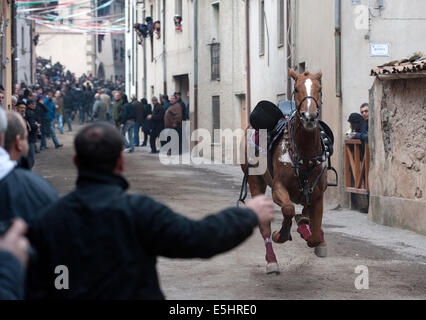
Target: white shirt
x,y
6,165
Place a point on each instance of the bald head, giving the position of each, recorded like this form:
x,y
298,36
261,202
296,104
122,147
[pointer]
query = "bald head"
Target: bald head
x,y
15,140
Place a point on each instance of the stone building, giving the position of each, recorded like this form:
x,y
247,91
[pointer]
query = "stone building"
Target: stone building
x,y
397,141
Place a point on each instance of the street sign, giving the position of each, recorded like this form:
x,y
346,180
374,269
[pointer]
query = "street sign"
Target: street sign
x,y
379,50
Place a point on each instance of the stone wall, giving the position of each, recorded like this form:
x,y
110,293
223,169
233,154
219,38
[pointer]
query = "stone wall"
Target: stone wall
x,y
397,138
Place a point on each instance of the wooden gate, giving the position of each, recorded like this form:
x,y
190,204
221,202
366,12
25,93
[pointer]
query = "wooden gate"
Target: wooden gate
x,y
357,163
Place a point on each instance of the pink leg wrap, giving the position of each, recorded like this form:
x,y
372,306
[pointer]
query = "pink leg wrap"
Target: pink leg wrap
x,y
270,255
304,231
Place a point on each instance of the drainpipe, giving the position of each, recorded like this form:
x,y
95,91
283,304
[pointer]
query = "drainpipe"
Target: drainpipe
x,y
338,46
195,64
145,82
288,46
248,59
164,49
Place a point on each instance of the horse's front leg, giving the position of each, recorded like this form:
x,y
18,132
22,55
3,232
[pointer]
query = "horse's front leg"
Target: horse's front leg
x,y
316,240
258,186
281,197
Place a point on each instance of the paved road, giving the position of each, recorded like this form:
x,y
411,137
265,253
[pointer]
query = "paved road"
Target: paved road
x,y
396,259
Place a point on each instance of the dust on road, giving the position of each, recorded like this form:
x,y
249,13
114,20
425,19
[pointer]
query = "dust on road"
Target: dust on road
x,y
239,274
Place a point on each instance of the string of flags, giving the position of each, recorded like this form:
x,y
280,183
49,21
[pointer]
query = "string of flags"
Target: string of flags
x,y
76,16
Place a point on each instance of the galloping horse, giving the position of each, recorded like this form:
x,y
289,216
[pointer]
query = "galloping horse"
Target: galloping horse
x,y
298,171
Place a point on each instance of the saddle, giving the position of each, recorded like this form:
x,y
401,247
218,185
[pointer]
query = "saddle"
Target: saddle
x,y
276,120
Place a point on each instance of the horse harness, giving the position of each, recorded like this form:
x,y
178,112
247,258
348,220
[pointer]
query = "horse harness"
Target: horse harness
x,y
286,126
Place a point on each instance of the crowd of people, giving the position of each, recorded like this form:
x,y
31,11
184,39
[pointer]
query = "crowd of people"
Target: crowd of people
x,y
107,239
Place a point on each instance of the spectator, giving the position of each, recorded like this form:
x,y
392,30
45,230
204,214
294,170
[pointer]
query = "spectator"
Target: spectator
x,y
146,123
68,107
128,126
51,116
13,260
358,127
41,116
99,109
173,119
107,100
117,108
30,117
364,111
184,109
165,102
139,108
22,193
59,103
157,119
111,244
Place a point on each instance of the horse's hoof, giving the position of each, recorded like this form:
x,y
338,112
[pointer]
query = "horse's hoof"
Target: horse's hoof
x,y
272,267
278,238
321,251
304,231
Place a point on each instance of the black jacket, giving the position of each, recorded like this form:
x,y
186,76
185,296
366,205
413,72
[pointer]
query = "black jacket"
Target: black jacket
x,y
146,124
12,277
157,119
24,194
128,113
110,240
41,117
30,117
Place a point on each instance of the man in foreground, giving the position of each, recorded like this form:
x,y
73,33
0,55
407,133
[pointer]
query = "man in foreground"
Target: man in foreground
x,y
110,243
22,193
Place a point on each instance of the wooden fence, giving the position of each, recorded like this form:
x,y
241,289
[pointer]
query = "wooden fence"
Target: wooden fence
x,y
356,169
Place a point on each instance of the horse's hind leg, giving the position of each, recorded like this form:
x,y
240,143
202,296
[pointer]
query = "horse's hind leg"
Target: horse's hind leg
x,y
282,198
258,186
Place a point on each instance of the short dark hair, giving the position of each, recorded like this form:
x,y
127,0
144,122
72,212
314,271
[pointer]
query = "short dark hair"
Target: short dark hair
x,y
20,102
364,105
14,128
98,147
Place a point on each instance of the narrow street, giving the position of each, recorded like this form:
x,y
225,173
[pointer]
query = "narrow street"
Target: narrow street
x,y
396,259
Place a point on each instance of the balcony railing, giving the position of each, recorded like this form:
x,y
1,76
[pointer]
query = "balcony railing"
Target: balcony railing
x,y
357,165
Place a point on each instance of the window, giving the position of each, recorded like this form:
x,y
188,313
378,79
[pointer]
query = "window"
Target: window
x,y
215,60
100,39
105,10
22,40
215,22
215,114
281,26
122,53
262,27
178,8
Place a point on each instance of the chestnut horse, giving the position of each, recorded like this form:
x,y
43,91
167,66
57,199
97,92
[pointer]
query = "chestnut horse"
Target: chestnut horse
x,y
299,172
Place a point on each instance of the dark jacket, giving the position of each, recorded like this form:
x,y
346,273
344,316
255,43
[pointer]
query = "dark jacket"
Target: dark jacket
x,y
12,277
30,117
146,124
41,116
128,113
184,111
139,111
110,244
157,119
24,194
166,105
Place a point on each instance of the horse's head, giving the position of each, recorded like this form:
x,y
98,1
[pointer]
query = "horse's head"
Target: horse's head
x,y
307,91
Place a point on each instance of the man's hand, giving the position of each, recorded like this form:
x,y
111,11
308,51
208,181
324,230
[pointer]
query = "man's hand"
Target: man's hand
x,y
263,207
15,242
121,125
149,117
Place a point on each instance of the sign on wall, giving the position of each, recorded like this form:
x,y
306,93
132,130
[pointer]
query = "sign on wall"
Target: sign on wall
x,y
379,49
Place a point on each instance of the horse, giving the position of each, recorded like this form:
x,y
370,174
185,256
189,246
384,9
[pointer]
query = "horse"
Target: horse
x,y
296,172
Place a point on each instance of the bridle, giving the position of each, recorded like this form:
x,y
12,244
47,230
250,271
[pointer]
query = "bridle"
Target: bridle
x,y
319,105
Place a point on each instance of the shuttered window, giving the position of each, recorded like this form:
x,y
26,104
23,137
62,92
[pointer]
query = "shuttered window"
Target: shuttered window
x,y
215,60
